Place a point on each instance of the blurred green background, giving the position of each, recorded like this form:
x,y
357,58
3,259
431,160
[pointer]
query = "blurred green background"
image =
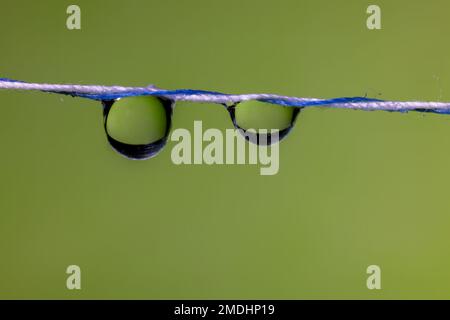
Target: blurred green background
x,y
354,188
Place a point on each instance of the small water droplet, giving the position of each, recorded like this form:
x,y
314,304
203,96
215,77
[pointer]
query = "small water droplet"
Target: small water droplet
x,y
251,117
137,127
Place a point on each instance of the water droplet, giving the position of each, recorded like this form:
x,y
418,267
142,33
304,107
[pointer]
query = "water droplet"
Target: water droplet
x,y
257,115
137,127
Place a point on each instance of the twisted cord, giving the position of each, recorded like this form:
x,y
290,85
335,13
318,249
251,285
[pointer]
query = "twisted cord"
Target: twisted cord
x,y
97,92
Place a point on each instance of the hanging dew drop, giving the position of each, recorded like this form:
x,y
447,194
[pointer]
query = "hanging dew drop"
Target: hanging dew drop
x,y
137,127
256,120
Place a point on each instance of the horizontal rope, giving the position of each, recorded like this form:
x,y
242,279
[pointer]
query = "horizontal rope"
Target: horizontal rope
x,y
96,92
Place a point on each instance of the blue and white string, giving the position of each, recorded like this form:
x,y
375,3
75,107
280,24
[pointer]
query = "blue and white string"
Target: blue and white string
x,y
97,92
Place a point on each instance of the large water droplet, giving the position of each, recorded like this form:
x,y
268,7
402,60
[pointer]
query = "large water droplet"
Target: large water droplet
x,y
257,115
137,127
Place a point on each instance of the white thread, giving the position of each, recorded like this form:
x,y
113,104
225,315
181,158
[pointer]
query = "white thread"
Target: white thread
x,y
223,98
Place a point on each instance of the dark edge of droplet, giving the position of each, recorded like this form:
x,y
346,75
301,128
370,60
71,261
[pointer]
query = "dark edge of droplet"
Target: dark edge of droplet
x,y
256,137
139,151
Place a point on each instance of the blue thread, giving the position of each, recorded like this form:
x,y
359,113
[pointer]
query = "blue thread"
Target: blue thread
x,y
188,92
11,80
131,93
290,103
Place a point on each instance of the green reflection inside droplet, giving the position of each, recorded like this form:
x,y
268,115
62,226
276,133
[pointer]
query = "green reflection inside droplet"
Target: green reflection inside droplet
x,y
260,115
137,120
